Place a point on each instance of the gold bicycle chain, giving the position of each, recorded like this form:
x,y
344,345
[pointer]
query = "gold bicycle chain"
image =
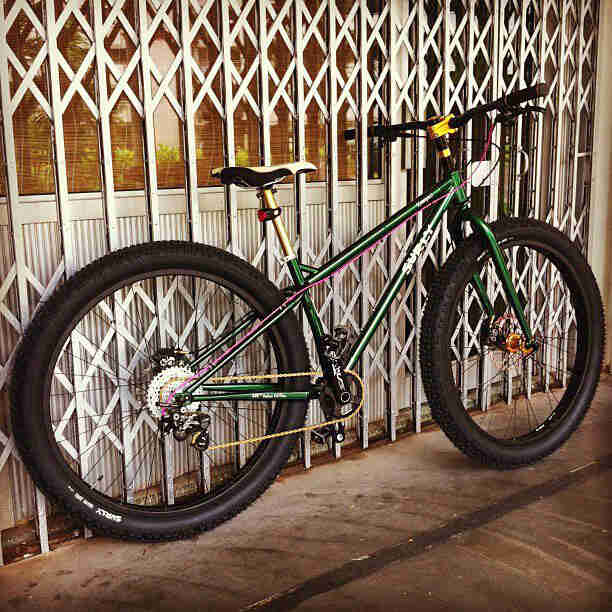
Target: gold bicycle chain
x,y
289,431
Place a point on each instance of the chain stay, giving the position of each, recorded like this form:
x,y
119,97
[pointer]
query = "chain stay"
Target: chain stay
x,y
289,431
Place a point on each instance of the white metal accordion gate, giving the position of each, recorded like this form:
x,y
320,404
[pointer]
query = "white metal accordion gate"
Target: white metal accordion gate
x,y
114,112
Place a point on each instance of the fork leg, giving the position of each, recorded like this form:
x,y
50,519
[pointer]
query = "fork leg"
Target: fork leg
x,y
457,234
498,259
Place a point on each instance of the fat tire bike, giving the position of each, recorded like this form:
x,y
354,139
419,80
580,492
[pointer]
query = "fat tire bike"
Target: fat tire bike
x,y
160,390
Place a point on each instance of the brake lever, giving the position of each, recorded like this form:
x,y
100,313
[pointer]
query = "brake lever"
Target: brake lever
x,y
393,136
505,118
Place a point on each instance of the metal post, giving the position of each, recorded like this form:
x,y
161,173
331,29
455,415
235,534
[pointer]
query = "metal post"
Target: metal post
x,y
189,110
333,164
264,101
61,192
301,205
12,186
146,31
363,204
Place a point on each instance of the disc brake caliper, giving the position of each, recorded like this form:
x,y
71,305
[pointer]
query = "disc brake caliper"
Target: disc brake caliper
x,y
505,334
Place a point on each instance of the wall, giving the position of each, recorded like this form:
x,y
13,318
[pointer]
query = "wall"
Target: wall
x,y
601,215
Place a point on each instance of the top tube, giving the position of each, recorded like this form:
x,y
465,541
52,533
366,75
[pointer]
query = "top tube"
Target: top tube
x,y
381,230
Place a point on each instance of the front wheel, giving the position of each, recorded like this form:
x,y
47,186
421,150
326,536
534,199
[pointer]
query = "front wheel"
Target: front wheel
x,y
123,332
499,401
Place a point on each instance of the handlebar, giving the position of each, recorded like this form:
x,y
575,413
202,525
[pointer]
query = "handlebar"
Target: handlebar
x,y
391,131
505,103
529,93
510,100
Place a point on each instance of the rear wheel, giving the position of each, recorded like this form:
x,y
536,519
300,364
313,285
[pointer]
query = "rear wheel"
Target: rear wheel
x,y
498,401
114,337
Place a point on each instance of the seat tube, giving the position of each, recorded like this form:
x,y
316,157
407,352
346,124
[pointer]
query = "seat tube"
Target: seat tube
x,y
292,262
279,225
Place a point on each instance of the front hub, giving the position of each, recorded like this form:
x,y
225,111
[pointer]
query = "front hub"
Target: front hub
x,y
505,334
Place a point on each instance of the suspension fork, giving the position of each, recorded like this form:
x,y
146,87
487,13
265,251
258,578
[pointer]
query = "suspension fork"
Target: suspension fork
x,y
456,232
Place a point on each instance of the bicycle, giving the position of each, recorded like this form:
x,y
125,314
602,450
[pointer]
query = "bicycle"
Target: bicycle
x,y
132,405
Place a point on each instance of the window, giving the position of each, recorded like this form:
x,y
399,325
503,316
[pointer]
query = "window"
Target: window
x,y
282,128
169,150
80,127
246,122
31,125
315,122
127,146
346,61
209,125
125,122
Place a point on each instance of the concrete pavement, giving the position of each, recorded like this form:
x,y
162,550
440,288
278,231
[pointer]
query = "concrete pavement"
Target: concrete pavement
x,y
412,525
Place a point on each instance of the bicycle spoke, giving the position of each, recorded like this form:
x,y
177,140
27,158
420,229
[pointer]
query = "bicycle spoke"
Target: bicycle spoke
x,y
147,316
515,388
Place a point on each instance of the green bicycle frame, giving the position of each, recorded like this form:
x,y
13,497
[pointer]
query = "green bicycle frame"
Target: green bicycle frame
x,y
305,277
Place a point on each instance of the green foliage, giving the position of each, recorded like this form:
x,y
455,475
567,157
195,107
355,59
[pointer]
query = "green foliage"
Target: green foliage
x,y
124,157
166,157
88,154
73,42
123,160
165,153
242,157
42,177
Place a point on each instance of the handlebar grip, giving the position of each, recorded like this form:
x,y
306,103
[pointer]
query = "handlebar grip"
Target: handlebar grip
x,y
529,93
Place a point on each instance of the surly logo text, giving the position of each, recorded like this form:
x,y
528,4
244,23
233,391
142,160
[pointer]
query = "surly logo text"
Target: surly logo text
x,y
109,515
418,249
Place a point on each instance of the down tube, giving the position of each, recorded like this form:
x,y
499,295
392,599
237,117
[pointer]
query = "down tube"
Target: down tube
x,y
394,285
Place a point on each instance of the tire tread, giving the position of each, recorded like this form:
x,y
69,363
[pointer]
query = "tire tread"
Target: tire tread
x,y
439,308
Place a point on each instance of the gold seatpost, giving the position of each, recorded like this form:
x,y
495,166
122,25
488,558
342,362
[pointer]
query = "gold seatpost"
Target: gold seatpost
x,y
269,201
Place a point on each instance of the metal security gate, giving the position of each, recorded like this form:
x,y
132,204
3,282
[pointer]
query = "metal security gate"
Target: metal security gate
x,y
114,113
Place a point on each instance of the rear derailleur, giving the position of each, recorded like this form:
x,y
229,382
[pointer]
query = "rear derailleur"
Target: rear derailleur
x,y
184,425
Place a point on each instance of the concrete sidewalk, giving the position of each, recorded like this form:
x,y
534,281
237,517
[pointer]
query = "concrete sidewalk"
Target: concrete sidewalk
x,y
412,525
